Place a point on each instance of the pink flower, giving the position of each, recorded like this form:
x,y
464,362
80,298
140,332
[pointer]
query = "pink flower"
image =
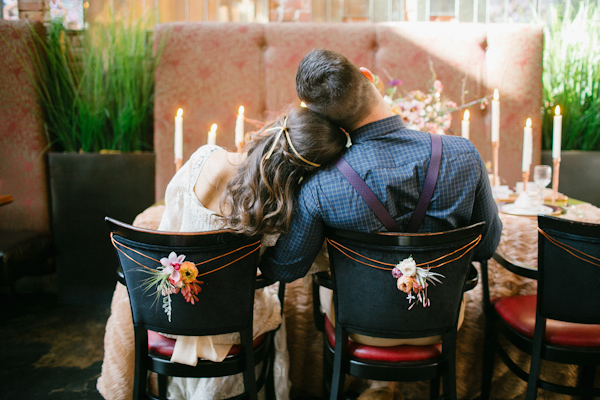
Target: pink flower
x,y
437,85
171,267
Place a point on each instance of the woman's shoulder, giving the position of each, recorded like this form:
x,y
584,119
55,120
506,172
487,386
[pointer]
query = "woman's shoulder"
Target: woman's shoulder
x,y
205,150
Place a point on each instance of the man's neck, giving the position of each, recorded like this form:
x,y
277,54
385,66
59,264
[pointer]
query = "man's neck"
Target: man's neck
x,y
377,114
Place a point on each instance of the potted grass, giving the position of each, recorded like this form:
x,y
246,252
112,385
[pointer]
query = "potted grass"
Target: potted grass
x,y
97,99
571,80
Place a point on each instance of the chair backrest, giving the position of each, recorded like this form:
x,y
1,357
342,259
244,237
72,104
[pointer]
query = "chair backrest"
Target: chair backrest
x,y
226,263
367,298
569,270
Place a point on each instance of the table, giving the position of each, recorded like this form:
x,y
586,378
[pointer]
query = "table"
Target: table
x,y
519,241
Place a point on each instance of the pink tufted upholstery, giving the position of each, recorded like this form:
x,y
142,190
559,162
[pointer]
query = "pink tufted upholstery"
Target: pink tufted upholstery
x,y
22,162
210,69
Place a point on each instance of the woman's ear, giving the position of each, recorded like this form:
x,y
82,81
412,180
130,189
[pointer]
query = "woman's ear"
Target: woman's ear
x,y
367,73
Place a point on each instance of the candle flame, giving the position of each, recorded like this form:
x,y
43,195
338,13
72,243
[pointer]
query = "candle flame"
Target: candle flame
x,y
213,128
303,104
180,112
496,95
467,115
557,111
241,110
528,123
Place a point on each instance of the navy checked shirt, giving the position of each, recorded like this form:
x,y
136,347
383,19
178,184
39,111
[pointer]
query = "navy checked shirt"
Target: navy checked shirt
x,y
393,161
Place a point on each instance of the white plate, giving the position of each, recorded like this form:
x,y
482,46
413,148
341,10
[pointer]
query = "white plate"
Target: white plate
x,y
511,209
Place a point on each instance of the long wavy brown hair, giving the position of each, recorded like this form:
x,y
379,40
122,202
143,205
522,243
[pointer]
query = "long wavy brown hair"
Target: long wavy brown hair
x,y
261,197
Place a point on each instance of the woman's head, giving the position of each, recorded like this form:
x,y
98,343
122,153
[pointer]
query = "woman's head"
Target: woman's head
x,y
261,197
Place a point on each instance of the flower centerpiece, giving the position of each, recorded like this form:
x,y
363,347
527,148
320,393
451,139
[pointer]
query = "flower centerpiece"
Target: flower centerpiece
x,y
423,111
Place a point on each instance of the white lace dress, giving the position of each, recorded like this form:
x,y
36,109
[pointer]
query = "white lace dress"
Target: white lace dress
x,y
183,212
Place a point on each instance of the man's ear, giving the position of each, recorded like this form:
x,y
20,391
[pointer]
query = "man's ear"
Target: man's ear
x,y
367,73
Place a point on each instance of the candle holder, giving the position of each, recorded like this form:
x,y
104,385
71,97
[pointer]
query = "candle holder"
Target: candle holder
x,y
178,164
556,162
525,180
495,148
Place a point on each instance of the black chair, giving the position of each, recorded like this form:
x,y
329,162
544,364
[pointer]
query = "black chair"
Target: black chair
x,y
368,301
227,266
561,322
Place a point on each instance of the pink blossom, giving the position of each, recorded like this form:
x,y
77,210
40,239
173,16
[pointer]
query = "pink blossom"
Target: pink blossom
x,y
171,267
437,85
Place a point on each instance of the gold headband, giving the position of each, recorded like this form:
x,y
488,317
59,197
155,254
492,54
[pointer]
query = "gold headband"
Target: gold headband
x,y
287,136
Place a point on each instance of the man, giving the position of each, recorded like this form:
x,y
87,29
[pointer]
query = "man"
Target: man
x,y
391,159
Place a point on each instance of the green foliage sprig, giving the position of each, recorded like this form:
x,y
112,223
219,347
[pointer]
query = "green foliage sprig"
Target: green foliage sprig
x,y
571,77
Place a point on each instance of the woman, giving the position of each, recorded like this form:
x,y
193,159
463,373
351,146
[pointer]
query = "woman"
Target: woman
x,y
252,192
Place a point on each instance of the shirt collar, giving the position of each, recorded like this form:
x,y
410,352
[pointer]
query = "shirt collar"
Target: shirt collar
x,y
377,128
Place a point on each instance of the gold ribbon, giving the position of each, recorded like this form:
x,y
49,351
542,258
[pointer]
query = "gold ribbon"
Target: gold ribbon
x,y
282,129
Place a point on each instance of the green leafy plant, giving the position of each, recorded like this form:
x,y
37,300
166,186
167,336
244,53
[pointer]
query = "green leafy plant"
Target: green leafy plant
x,y
96,87
571,77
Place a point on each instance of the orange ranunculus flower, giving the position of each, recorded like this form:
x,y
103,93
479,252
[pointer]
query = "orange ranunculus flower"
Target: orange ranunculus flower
x,y
188,272
405,283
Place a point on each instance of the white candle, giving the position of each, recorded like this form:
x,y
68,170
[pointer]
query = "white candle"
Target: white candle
x,y
212,135
465,125
239,128
179,135
496,117
556,134
527,146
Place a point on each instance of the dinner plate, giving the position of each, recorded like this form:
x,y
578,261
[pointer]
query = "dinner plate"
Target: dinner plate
x,y
511,209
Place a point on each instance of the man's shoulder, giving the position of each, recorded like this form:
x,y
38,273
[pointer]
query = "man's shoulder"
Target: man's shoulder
x,y
458,146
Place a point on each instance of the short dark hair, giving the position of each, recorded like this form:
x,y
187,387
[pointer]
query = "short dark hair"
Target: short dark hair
x,y
334,87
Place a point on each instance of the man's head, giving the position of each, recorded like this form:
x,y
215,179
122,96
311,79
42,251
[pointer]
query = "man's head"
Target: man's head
x,y
331,85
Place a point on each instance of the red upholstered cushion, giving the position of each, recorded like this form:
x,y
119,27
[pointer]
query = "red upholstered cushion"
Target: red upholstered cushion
x,y
519,313
403,353
158,344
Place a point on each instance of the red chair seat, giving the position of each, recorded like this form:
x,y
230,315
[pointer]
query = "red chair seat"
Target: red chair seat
x,y
403,353
519,313
163,346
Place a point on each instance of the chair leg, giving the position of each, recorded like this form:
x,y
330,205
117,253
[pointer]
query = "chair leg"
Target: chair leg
x,y
249,375
536,352
338,377
434,388
585,378
162,386
270,379
490,338
489,356
140,381
449,377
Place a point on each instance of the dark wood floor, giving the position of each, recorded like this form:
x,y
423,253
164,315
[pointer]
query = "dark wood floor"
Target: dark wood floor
x,y
49,350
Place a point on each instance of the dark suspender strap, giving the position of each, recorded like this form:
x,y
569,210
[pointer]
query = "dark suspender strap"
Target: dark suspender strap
x,y
429,186
379,209
367,194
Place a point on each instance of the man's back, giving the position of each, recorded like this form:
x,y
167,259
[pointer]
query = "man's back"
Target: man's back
x,y
393,162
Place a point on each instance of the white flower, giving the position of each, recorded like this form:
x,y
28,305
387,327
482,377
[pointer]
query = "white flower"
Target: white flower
x,y
408,266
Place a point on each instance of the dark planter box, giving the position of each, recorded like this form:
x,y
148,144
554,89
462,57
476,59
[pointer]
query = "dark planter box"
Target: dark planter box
x,y
84,189
579,174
